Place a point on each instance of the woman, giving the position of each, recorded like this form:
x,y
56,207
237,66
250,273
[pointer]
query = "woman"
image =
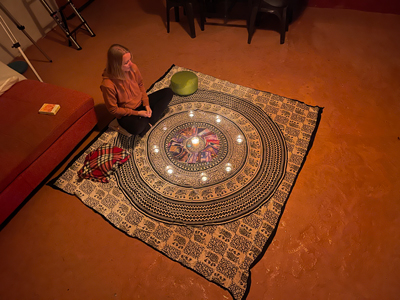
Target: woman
x,y
125,96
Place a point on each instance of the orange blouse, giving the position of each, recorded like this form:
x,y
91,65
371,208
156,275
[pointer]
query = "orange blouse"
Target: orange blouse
x,y
122,97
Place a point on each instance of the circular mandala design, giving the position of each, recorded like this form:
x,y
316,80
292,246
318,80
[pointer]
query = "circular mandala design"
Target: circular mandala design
x,y
233,168
196,144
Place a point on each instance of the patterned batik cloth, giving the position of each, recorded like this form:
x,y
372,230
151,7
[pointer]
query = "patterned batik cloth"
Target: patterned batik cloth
x,y
222,253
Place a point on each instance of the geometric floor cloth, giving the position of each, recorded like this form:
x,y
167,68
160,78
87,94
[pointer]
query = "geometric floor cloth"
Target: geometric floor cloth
x,y
206,186
212,159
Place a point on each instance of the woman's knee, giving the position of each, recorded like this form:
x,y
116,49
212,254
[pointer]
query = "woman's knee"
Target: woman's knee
x,y
169,93
165,93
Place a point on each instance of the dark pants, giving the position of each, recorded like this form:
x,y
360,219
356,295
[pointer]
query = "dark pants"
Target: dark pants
x,y
137,125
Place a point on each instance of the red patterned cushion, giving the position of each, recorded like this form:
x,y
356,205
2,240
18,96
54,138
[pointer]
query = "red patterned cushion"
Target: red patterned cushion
x,y
102,162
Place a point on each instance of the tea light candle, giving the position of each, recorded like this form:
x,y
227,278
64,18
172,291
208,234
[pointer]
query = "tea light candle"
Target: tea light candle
x,y
169,170
204,177
195,141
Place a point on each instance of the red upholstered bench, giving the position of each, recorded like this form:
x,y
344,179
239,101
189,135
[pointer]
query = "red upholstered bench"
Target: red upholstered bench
x,y
33,144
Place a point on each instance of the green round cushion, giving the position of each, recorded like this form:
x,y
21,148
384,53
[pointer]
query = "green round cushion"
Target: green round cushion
x,y
184,83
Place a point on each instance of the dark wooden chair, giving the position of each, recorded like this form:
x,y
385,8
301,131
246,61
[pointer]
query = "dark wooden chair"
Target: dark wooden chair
x,y
277,7
188,6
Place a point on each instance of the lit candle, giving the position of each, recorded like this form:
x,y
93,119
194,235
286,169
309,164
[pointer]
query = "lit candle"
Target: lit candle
x,y
204,177
239,139
156,149
169,170
195,141
228,167
218,119
191,113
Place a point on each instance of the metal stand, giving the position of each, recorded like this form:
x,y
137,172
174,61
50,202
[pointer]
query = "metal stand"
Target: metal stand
x,y
63,22
17,45
22,28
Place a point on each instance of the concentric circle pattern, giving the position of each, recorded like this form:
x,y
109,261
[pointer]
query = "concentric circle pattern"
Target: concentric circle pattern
x,y
212,159
195,143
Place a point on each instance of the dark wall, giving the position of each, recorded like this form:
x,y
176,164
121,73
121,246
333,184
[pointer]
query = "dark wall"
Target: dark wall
x,y
382,6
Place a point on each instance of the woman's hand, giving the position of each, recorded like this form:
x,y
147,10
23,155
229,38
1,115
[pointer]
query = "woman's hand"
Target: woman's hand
x,y
149,111
143,113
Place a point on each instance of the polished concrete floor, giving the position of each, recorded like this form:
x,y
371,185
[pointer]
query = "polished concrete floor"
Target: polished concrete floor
x,y
339,235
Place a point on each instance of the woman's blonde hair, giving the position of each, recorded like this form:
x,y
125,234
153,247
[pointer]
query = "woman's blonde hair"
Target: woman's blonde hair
x,y
114,61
